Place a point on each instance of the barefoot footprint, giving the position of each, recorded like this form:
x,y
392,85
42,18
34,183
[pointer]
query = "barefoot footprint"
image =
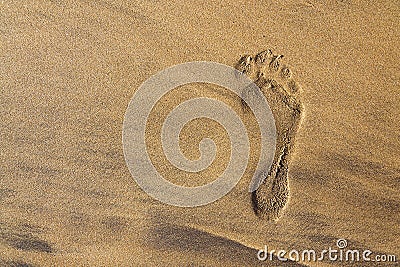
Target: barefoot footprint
x,y
278,86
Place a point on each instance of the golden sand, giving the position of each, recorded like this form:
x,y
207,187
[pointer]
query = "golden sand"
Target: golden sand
x,y
69,69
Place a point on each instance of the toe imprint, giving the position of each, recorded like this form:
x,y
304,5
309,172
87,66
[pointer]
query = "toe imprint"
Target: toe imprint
x,y
245,64
275,63
263,56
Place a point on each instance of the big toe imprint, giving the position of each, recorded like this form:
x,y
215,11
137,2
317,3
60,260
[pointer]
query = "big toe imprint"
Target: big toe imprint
x,y
276,82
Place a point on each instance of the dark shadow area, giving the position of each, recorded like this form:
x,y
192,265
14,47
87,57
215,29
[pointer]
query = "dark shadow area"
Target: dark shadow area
x,y
22,239
15,263
169,237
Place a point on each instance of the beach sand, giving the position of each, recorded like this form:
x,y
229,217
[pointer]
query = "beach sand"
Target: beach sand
x,y
69,69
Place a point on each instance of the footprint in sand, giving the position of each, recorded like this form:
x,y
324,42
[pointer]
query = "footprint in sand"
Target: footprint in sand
x,y
280,89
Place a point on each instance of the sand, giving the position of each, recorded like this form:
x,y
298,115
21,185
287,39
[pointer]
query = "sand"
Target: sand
x,y
69,69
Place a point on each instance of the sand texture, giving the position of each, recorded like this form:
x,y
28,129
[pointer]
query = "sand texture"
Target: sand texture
x,y
68,70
